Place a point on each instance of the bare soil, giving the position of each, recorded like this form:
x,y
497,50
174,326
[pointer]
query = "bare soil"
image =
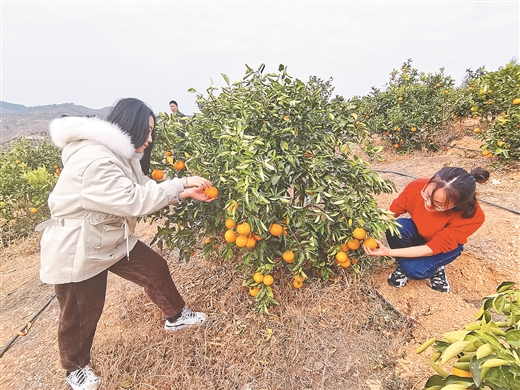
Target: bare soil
x,y
345,333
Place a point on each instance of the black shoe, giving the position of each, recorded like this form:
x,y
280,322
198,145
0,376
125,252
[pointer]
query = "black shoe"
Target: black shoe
x,y
397,278
439,281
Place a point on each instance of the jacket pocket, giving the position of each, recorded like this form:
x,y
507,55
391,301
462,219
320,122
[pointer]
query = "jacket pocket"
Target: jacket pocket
x,y
103,235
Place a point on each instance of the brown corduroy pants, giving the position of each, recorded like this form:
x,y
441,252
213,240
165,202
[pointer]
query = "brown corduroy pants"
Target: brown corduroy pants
x,y
81,303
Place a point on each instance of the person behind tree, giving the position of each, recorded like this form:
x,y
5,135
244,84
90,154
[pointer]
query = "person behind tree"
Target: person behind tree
x,y
444,212
94,205
174,107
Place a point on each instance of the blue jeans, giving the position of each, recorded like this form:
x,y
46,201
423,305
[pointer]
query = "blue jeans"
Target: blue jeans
x,y
418,267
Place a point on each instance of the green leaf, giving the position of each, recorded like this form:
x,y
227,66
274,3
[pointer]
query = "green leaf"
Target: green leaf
x,y
504,286
513,337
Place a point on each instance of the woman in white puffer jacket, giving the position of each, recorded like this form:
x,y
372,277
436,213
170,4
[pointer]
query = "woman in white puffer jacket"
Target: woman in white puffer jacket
x,y
94,205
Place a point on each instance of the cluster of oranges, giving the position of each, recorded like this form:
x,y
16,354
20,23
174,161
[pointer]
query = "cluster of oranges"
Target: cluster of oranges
x,y
57,170
178,165
359,237
242,237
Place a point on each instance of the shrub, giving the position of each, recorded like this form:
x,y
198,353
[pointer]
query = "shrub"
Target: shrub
x,y
281,154
485,354
27,175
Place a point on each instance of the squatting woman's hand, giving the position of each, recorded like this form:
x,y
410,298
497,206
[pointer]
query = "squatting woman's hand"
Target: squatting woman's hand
x,y
381,250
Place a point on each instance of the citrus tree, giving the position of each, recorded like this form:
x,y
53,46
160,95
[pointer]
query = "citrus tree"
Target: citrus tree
x,y
27,176
496,99
411,109
290,189
486,353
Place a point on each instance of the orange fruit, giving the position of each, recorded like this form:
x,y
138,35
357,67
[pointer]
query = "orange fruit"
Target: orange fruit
x,y
297,283
341,257
276,229
17,162
288,256
344,248
396,146
485,152
387,133
258,277
370,242
232,206
298,278
347,263
413,129
241,240
243,228
359,233
251,242
353,244
211,192
462,373
308,154
230,236
476,130
286,118
157,174
256,237
253,291
179,165
207,240
399,98
516,101
268,280
55,166
33,210
230,224
168,153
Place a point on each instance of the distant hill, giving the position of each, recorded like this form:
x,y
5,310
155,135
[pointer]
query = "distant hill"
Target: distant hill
x,y
22,121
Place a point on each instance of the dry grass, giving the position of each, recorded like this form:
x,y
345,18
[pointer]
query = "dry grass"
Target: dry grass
x,y
329,335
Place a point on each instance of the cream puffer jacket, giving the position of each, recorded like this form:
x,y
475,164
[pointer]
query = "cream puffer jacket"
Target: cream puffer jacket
x,y
96,200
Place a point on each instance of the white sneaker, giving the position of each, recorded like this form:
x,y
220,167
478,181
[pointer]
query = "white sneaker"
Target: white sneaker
x,y
187,318
83,379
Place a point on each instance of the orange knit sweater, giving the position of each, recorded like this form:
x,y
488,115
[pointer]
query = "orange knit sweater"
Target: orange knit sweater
x,y
442,230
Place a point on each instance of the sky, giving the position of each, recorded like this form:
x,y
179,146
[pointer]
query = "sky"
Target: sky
x,y
93,53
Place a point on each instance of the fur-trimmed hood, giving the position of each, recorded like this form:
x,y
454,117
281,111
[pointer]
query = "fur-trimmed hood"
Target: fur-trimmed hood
x,y
68,129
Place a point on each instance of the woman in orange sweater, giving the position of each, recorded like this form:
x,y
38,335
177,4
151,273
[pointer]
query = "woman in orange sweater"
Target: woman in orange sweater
x,y
444,212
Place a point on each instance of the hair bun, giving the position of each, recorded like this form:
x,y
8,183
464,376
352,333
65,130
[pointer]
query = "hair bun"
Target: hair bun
x,y
480,175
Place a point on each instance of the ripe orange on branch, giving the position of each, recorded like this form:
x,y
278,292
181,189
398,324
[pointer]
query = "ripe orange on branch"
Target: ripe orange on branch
x,y
370,242
341,257
211,192
359,233
179,165
353,244
230,236
230,224
268,280
157,174
288,256
276,229
243,228
241,240
258,277
297,283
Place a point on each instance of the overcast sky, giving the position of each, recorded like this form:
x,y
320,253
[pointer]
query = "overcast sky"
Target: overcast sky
x,y
93,53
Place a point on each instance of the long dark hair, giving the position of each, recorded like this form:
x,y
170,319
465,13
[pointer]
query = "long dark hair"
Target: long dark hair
x,y
132,116
460,187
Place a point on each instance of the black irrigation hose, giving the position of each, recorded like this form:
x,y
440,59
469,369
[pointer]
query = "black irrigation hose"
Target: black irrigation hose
x,y
25,328
480,200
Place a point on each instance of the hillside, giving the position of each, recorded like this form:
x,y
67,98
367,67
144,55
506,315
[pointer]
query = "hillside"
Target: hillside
x,y
22,121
